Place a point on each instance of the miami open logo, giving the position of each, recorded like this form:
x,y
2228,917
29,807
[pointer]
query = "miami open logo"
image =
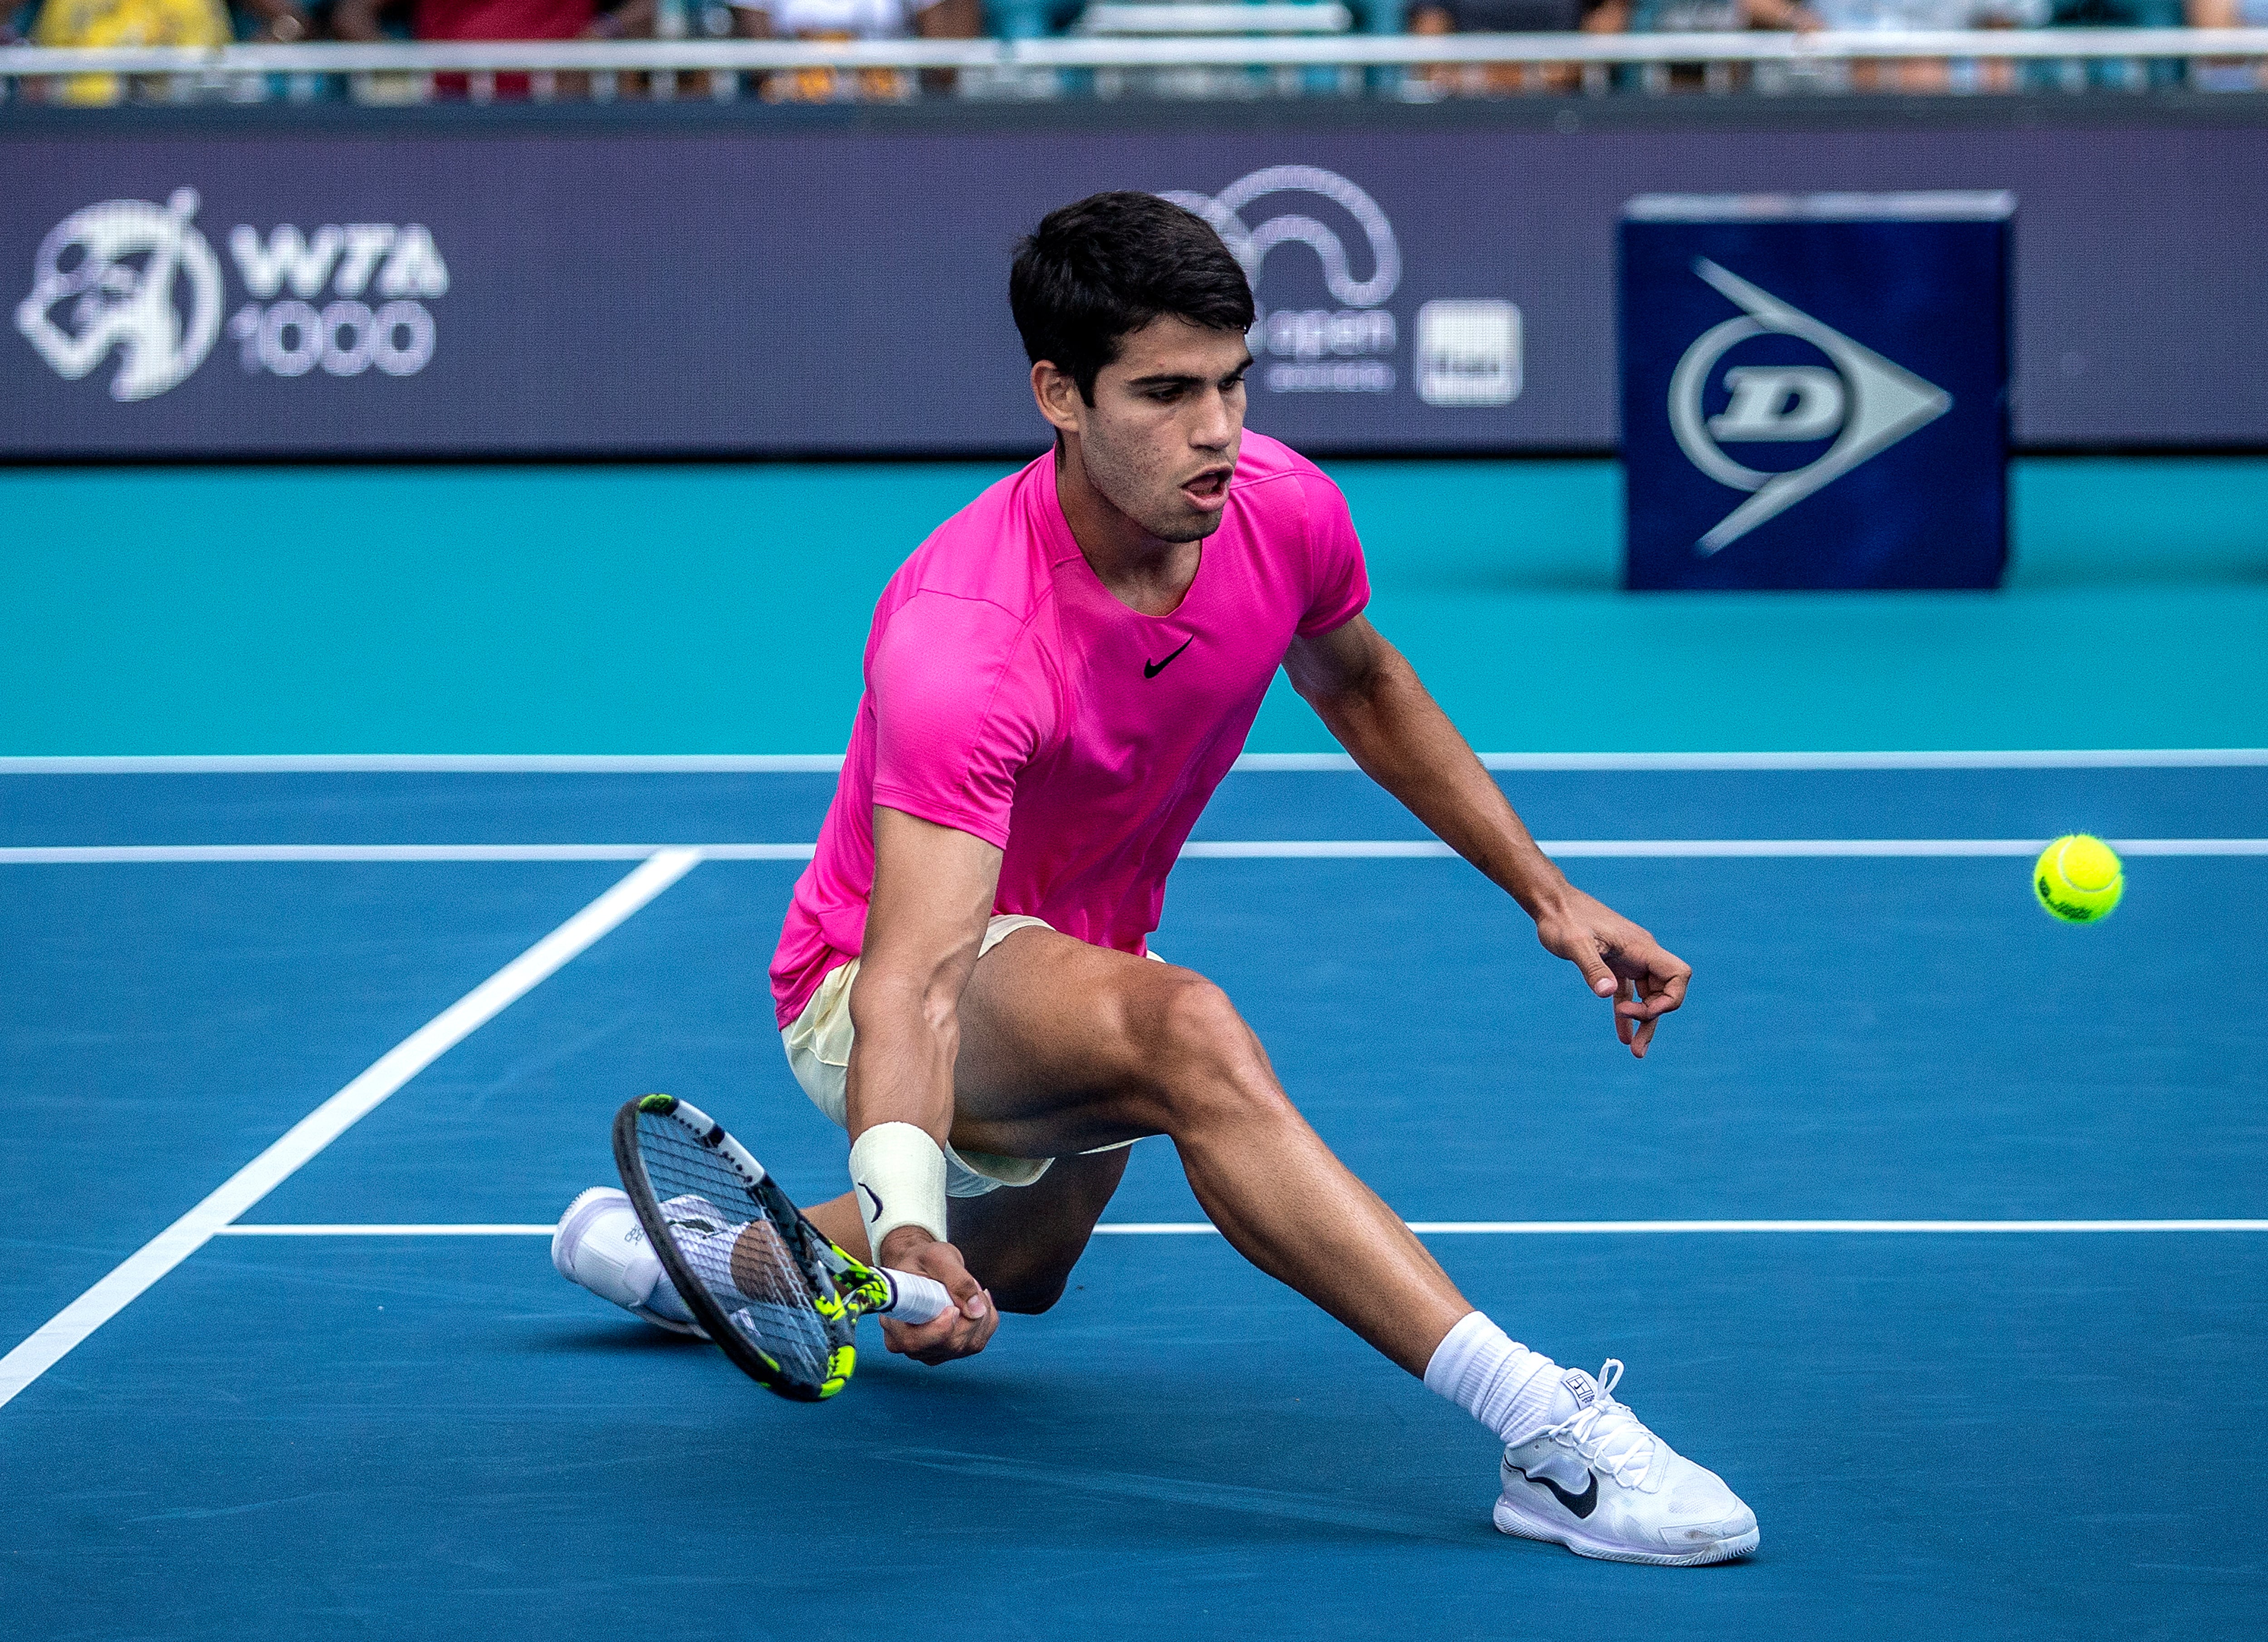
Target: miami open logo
x,y
1346,350
1468,353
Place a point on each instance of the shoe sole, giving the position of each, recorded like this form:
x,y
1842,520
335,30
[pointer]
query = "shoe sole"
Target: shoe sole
x,y
670,1323
1510,1521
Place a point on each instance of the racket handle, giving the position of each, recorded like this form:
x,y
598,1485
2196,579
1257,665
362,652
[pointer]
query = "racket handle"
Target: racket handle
x,y
918,1299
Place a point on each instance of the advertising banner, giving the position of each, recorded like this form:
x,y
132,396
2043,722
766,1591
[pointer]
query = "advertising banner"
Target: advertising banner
x,y
451,288
1814,390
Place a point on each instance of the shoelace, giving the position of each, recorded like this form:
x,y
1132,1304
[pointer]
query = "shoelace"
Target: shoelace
x,y
1595,1433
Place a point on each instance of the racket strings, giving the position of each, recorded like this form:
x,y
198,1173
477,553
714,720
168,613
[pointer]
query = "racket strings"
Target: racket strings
x,y
734,1249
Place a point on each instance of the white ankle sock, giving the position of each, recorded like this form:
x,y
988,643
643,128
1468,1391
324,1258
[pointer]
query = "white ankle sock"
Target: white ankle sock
x,y
665,1301
1512,1390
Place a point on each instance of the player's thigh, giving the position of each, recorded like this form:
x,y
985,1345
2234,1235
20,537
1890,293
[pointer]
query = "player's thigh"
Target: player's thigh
x,y
1063,1044
1021,1242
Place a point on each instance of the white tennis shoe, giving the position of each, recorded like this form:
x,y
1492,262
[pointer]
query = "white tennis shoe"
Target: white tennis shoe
x,y
601,1244
1603,1485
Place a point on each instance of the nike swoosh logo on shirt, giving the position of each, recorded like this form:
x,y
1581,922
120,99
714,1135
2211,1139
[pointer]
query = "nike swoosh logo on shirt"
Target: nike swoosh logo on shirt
x,y
1582,1505
1151,669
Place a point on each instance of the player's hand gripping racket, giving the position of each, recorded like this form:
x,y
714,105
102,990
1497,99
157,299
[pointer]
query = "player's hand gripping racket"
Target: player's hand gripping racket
x,y
782,1301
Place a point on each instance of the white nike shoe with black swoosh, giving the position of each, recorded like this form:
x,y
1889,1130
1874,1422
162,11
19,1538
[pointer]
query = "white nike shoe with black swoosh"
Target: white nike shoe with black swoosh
x,y
1603,1485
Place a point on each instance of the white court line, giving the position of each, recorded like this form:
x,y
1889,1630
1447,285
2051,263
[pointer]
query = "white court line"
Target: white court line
x,y
105,854
1487,1228
311,1133
785,763
108,854
1229,850
1702,848
440,763
2105,758
386,1229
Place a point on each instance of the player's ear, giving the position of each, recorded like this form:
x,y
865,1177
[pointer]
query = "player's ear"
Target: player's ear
x,y
1056,392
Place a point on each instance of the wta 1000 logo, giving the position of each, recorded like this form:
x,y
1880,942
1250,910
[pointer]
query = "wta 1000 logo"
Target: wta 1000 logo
x,y
139,285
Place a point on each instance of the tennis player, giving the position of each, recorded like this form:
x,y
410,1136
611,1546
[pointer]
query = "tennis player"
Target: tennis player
x,y
1055,682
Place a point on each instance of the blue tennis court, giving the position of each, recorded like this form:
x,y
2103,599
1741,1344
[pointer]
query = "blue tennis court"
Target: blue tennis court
x,y
362,1404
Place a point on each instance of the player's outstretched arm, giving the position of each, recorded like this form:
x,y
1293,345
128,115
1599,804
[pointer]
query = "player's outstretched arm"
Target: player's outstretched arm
x,y
925,919
1371,698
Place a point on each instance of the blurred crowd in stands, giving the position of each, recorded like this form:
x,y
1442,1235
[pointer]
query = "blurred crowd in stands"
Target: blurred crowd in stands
x,y
219,22
215,22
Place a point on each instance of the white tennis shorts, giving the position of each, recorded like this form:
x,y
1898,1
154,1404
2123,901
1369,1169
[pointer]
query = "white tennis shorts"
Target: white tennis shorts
x,y
818,1047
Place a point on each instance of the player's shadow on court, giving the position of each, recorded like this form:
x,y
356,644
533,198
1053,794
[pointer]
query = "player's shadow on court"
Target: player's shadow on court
x,y
601,1339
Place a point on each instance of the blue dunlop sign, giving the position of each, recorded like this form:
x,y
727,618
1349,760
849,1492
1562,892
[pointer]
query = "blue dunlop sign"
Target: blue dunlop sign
x,y
1815,390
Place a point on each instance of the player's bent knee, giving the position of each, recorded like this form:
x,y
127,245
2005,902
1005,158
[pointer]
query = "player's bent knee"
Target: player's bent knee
x,y
1191,1024
1205,1058
1028,1297
1025,1284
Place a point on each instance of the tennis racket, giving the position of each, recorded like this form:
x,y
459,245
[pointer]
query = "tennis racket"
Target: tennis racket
x,y
762,1282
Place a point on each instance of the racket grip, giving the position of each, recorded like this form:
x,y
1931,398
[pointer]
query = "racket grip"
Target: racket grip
x,y
916,1299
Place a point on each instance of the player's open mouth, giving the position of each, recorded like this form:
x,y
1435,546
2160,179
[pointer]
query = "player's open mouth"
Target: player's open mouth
x,y
1209,491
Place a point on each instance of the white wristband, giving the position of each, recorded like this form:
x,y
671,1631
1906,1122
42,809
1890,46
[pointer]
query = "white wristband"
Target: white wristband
x,y
897,1173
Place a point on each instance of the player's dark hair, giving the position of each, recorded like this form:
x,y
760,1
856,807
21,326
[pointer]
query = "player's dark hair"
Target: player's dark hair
x,y
1094,273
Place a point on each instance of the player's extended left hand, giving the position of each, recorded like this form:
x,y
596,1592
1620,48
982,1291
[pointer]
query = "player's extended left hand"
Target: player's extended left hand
x,y
1620,960
963,1331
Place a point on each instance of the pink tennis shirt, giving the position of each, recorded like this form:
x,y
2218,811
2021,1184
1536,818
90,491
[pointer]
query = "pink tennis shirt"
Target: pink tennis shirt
x,y
1009,695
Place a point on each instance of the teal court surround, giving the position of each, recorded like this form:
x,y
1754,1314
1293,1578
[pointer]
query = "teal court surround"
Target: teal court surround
x,y
723,609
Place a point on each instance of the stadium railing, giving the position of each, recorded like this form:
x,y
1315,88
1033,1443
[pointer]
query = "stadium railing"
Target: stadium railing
x,y
1403,67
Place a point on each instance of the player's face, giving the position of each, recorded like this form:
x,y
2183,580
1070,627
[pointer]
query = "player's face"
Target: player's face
x,y
1161,439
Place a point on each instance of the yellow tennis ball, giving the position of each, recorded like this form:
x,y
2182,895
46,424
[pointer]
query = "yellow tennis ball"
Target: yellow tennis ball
x,y
2079,878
